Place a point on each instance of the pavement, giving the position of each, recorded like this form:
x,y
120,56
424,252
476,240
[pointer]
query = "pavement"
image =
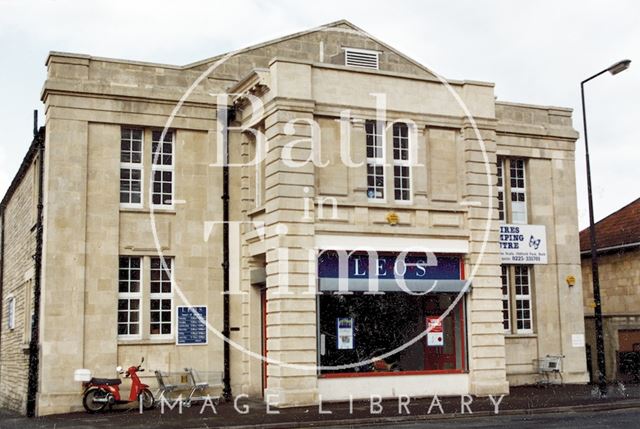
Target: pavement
x,y
561,401
624,418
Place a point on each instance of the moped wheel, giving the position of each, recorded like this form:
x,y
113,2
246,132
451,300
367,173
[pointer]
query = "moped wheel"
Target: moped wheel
x,y
89,400
146,397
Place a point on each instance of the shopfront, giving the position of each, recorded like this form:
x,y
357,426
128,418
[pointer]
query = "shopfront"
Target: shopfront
x,y
396,316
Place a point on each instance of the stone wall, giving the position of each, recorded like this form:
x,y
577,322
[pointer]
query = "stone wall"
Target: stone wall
x,y
619,275
20,242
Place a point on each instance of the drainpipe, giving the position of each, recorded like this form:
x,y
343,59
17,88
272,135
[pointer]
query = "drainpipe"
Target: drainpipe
x,y
226,331
1,268
34,352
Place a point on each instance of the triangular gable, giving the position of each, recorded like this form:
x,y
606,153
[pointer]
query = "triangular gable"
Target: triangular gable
x,y
320,44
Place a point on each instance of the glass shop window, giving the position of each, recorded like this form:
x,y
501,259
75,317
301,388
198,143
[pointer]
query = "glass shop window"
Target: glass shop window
x,y
358,327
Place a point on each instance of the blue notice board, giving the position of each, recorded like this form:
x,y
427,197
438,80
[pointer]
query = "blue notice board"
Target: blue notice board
x,y
192,326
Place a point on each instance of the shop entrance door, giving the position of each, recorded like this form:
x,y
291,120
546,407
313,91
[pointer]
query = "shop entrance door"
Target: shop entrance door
x,y
441,347
442,357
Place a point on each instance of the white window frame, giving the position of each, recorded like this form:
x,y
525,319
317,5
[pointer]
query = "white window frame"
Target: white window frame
x,y
379,148
523,298
363,63
402,163
11,312
132,166
162,296
161,167
518,190
506,298
502,213
129,296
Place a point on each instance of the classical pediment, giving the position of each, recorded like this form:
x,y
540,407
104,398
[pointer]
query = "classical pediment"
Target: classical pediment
x,y
325,44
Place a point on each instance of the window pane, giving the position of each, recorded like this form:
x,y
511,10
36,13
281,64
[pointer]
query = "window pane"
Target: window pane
x,y
518,191
506,318
401,183
131,146
375,180
523,298
162,301
400,142
129,275
162,153
162,187
130,185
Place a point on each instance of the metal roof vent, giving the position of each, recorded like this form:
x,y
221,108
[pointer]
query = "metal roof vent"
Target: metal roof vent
x,y
361,58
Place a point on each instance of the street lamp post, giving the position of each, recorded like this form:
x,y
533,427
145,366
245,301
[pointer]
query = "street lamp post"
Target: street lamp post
x,y
602,380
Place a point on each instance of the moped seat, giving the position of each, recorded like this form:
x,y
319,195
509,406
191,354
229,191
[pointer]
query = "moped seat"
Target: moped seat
x,y
106,381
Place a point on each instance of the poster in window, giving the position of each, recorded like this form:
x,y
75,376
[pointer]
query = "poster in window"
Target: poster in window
x,y
345,333
435,335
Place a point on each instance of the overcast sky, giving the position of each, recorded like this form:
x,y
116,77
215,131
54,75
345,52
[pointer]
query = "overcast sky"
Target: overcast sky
x,y
535,52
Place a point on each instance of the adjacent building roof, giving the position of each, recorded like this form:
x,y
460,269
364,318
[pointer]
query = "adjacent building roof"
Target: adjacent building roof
x,y
619,230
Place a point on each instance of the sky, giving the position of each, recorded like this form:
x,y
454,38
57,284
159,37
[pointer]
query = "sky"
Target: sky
x,y
535,52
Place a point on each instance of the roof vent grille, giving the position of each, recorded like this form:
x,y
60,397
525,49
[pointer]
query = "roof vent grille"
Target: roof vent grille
x,y
361,58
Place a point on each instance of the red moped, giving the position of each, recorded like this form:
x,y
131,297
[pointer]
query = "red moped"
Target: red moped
x,y
102,392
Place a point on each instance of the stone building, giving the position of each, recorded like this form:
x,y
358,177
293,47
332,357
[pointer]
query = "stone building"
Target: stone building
x,y
352,169
19,226
618,244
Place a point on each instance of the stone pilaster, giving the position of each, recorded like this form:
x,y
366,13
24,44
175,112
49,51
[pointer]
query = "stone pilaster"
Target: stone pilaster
x,y
485,332
291,317
64,252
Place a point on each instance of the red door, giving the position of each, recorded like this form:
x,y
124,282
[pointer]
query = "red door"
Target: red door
x,y
263,301
441,357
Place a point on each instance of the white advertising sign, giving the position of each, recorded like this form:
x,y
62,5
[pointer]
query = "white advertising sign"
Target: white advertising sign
x,y
523,244
435,336
345,333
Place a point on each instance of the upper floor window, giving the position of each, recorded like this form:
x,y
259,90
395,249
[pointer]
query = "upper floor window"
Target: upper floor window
x,y
401,163
511,183
131,166
518,192
162,168
500,186
375,160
